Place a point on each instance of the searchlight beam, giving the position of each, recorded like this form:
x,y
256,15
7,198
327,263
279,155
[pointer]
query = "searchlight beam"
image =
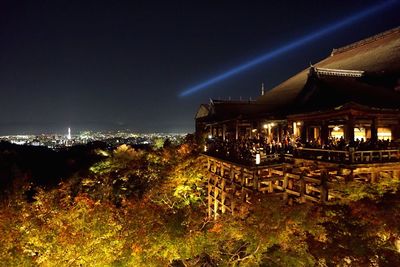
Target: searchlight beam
x,y
289,46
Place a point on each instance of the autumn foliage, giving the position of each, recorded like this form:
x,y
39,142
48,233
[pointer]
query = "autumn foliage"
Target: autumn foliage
x,y
147,208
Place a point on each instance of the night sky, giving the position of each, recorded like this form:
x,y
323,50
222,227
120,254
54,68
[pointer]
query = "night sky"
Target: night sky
x,y
109,65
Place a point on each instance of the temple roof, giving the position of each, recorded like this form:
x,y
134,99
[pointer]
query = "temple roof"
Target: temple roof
x,y
325,92
220,110
366,72
373,64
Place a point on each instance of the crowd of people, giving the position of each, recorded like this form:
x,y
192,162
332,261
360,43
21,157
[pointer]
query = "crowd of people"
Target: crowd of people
x,y
246,149
360,144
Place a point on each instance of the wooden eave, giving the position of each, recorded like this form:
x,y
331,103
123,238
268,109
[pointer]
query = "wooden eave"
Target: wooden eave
x,y
352,111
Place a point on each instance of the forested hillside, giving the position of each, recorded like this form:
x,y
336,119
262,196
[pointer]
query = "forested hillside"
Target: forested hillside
x,y
133,207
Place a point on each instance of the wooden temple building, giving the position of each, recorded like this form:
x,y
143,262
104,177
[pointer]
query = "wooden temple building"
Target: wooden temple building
x,y
337,120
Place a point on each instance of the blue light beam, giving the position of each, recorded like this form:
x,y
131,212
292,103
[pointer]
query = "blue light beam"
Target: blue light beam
x,y
290,46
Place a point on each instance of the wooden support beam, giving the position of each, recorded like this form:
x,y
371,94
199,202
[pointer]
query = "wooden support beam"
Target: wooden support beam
x,y
349,129
210,200
284,186
292,192
302,188
374,177
241,177
374,130
256,175
223,196
324,133
324,186
231,185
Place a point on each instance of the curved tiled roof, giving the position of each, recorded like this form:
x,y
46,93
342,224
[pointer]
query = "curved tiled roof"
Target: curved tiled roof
x,y
377,55
225,110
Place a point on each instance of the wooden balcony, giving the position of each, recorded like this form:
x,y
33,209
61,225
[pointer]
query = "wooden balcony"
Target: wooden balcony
x,y
348,157
234,187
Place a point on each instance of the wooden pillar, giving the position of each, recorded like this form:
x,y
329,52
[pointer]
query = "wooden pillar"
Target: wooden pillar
x,y
294,129
290,186
242,180
302,188
271,133
242,195
270,187
349,129
303,134
317,133
284,186
324,133
231,173
350,176
374,130
223,196
374,177
280,133
256,175
396,131
210,199
216,192
233,199
324,186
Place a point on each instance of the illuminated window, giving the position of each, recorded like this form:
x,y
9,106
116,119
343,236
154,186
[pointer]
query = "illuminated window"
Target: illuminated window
x,y
337,132
359,133
384,134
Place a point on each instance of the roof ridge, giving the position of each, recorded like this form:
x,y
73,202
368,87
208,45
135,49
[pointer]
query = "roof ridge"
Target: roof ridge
x,y
233,101
338,72
365,41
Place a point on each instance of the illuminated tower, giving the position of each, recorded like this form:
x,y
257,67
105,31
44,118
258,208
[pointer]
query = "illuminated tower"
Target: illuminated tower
x,y
262,89
69,134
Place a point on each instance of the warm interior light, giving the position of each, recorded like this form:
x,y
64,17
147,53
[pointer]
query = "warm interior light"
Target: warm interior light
x,y
337,132
359,133
384,134
258,159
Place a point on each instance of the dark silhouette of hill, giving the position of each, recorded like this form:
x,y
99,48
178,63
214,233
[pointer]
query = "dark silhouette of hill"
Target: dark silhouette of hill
x,y
43,166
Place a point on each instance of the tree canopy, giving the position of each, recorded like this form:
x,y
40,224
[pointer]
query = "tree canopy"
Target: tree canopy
x,y
147,208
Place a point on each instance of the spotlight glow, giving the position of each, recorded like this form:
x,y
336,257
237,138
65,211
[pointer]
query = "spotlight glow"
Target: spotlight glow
x,y
290,46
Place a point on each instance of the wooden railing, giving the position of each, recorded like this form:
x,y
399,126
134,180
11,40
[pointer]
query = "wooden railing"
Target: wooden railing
x,y
336,156
340,156
376,156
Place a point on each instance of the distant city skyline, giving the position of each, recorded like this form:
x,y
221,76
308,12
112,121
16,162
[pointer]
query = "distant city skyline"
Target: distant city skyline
x,y
101,66
58,128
